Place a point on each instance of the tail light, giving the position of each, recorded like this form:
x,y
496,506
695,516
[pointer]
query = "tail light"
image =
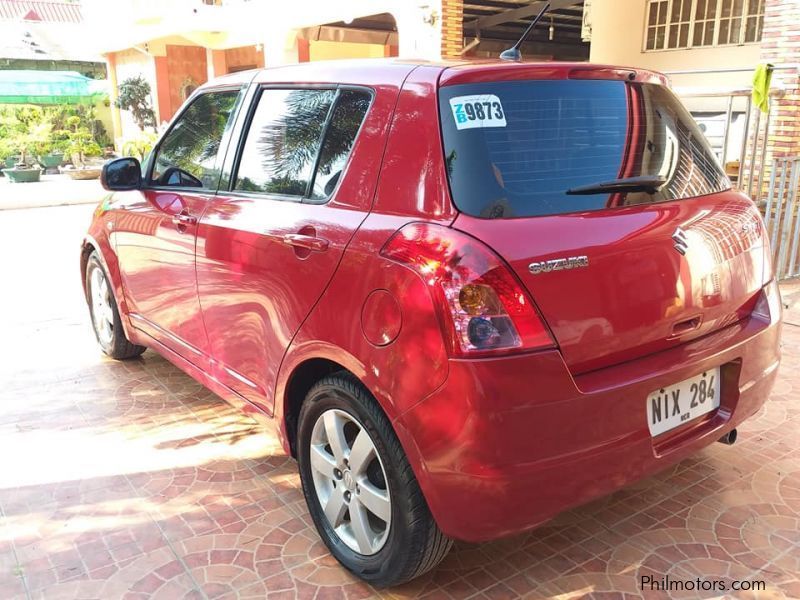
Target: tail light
x,y
768,305
483,308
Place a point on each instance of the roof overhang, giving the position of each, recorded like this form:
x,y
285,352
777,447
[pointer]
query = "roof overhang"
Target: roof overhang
x,y
515,14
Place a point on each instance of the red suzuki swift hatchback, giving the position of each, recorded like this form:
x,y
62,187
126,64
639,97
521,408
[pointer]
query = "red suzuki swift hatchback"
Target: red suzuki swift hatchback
x,y
470,295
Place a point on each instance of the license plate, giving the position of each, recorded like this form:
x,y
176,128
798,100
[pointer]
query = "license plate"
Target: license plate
x,y
676,404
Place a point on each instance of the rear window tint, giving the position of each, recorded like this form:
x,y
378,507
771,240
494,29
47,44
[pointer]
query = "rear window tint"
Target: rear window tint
x,y
513,149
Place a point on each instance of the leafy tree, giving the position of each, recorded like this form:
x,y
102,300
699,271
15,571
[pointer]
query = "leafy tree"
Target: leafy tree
x,y
134,95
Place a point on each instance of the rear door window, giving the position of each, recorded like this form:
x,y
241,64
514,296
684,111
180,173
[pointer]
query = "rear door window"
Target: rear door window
x,y
299,141
514,148
283,141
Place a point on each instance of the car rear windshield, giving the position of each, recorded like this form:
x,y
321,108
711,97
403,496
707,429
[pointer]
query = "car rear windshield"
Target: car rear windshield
x,y
514,148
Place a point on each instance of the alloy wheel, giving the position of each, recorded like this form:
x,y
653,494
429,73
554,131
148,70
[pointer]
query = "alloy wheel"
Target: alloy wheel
x,y
350,481
102,312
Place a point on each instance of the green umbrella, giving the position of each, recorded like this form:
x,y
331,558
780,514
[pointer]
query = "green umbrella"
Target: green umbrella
x,y
49,87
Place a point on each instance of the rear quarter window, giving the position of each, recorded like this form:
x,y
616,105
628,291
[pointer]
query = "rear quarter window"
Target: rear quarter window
x,y
514,148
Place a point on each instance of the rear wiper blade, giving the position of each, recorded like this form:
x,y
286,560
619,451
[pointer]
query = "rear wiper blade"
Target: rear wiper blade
x,y
649,184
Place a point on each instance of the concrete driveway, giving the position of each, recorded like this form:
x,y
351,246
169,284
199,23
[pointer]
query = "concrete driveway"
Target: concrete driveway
x,y
52,190
129,480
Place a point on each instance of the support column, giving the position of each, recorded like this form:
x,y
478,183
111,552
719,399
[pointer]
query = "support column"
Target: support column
x,y
303,50
780,44
163,106
281,48
420,30
113,94
452,28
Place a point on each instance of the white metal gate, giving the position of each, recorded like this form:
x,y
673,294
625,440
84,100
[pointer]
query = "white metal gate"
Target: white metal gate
x,y
781,216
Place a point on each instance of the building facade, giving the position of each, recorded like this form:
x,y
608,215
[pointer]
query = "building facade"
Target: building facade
x,y
709,48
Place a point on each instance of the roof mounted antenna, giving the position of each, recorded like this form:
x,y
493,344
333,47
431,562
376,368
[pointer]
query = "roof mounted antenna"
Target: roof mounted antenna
x,y
513,53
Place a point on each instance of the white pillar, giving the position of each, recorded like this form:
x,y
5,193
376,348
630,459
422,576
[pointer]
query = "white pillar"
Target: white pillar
x,y
280,47
419,27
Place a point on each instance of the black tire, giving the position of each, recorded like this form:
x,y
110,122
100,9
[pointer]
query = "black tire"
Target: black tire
x,y
414,544
118,346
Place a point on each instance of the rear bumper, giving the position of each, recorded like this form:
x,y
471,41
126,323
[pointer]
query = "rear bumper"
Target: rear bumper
x,y
506,444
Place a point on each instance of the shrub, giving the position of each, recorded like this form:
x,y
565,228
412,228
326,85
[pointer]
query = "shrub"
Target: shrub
x,y
134,95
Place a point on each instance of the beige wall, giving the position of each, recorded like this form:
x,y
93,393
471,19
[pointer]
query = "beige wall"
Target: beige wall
x,y
132,63
103,114
324,50
618,38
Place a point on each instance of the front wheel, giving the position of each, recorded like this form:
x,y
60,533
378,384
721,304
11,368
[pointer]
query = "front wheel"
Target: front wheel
x,y
361,492
106,320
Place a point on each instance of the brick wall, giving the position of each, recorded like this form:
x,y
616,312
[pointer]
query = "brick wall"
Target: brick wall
x,y
452,28
780,45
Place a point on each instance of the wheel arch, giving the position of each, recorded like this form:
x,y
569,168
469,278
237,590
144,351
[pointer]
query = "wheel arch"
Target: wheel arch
x,y
309,364
102,248
302,378
87,247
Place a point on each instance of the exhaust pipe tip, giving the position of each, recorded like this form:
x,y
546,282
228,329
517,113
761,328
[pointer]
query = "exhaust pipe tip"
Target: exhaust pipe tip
x,y
729,438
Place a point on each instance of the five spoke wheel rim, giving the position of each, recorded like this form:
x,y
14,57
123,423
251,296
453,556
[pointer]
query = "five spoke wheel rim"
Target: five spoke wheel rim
x,y
102,313
350,481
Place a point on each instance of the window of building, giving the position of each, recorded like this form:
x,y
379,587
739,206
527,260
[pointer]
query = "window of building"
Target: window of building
x,y
754,21
673,24
705,17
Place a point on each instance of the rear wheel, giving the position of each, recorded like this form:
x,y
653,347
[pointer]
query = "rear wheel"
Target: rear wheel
x,y
360,490
106,321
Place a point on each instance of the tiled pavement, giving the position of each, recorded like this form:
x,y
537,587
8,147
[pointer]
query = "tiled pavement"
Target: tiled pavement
x,y
128,480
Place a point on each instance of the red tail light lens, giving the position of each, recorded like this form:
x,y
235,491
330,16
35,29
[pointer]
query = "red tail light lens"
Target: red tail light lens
x,y
768,305
483,307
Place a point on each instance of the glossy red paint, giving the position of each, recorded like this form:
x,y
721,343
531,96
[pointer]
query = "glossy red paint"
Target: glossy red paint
x,y
235,302
381,318
508,443
641,290
154,237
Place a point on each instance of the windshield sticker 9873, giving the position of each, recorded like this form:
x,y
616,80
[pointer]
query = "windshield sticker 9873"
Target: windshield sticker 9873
x,y
478,110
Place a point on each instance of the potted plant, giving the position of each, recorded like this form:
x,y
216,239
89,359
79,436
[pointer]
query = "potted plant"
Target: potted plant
x,y
7,157
81,145
24,139
48,156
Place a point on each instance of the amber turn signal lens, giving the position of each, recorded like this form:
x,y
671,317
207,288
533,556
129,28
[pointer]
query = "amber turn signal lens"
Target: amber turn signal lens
x,y
478,299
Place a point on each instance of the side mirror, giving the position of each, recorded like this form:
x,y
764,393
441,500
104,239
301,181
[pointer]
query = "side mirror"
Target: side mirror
x,y
122,174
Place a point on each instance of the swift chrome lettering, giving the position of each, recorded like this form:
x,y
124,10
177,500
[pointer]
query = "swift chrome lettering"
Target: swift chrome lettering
x,y
558,264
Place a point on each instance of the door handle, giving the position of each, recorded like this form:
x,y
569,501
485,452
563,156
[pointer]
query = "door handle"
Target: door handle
x,y
309,242
184,218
